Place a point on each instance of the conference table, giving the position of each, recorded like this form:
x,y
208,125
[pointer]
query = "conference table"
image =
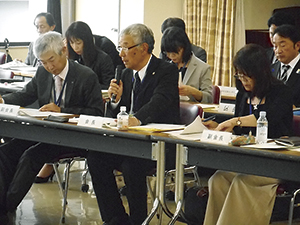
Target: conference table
x,y
281,164
277,163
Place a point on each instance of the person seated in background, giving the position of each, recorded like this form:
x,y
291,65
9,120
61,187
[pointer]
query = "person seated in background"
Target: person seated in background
x,y
109,48
43,22
195,80
236,198
277,19
60,85
149,90
286,41
177,22
81,48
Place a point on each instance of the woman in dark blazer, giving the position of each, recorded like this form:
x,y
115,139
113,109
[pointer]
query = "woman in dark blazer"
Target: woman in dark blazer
x,y
81,47
236,198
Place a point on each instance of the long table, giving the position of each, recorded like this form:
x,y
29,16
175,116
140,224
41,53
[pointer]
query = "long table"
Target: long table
x,y
280,164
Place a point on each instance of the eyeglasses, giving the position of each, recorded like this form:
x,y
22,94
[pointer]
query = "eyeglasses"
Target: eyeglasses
x,y
126,49
241,77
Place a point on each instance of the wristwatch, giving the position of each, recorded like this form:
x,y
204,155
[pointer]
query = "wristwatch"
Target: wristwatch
x,y
239,122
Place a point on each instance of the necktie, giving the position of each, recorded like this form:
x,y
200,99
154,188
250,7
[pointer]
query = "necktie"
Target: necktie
x,y
58,86
136,90
283,76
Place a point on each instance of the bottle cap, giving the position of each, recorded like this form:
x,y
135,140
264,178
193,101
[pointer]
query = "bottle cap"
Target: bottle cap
x,y
123,108
262,113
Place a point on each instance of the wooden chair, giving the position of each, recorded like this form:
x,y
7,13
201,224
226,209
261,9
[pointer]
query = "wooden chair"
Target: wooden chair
x,y
216,94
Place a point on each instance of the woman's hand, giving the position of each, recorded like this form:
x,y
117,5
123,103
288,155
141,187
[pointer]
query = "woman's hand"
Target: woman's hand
x,y
115,89
211,125
227,125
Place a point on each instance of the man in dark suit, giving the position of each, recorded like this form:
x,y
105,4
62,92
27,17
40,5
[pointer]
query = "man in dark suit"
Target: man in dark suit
x,y
286,41
79,93
177,22
156,102
277,19
43,22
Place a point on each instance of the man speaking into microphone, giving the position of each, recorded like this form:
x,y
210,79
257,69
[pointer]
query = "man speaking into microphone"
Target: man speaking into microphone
x,y
149,89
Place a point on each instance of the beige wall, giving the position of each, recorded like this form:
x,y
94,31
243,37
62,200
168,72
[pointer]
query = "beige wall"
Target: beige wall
x,y
257,12
156,11
17,52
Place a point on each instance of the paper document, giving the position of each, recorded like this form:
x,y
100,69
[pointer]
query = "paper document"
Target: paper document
x,y
19,66
209,106
157,127
195,127
37,113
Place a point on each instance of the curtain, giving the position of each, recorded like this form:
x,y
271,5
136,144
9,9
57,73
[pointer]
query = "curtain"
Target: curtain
x,y
210,24
53,7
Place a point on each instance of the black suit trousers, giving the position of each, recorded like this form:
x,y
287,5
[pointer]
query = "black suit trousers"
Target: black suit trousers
x,y
20,162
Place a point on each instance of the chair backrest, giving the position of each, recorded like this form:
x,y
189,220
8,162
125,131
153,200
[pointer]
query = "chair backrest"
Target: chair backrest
x,y
216,94
296,125
2,57
189,112
6,76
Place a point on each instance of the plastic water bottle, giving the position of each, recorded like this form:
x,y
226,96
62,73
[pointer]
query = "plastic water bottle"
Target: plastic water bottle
x,y
122,119
262,128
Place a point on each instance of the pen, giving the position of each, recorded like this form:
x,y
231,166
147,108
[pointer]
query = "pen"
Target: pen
x,y
213,117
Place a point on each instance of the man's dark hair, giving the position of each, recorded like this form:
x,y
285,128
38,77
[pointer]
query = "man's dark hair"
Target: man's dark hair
x,y
172,22
288,31
49,18
281,18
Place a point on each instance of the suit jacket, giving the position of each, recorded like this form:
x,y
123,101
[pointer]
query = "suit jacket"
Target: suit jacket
x,y
82,96
109,48
30,59
199,52
278,106
293,82
198,75
270,53
104,68
158,100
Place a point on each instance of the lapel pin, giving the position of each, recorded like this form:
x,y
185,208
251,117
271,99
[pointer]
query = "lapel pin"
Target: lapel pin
x,y
298,71
153,73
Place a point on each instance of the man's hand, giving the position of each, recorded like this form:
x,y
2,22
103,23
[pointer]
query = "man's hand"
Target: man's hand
x,y
51,107
115,89
133,121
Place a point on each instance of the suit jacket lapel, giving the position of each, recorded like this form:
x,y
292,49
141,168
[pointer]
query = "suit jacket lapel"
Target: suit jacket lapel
x,y
190,70
294,76
150,72
70,79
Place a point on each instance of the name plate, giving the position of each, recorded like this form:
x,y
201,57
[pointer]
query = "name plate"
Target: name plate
x,y
11,110
90,121
226,108
216,137
228,91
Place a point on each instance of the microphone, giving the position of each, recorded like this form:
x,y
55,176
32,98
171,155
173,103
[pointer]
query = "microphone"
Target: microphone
x,y
118,78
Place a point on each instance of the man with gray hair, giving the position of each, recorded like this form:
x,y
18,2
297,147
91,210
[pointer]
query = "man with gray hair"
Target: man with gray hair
x,y
60,85
149,90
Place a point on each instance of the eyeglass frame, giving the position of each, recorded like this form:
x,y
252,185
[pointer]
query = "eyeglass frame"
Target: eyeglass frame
x,y
241,76
126,49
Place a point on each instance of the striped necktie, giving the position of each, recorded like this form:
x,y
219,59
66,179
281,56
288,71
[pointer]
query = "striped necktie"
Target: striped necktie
x,y
284,76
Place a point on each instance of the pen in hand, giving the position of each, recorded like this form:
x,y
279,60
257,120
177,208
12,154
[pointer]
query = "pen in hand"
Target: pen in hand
x,y
209,118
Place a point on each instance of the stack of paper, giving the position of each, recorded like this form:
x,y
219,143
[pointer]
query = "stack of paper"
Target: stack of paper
x,y
191,132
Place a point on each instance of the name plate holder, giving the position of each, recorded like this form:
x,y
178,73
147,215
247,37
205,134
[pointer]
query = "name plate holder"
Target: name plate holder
x,y
90,121
226,108
6,109
216,137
